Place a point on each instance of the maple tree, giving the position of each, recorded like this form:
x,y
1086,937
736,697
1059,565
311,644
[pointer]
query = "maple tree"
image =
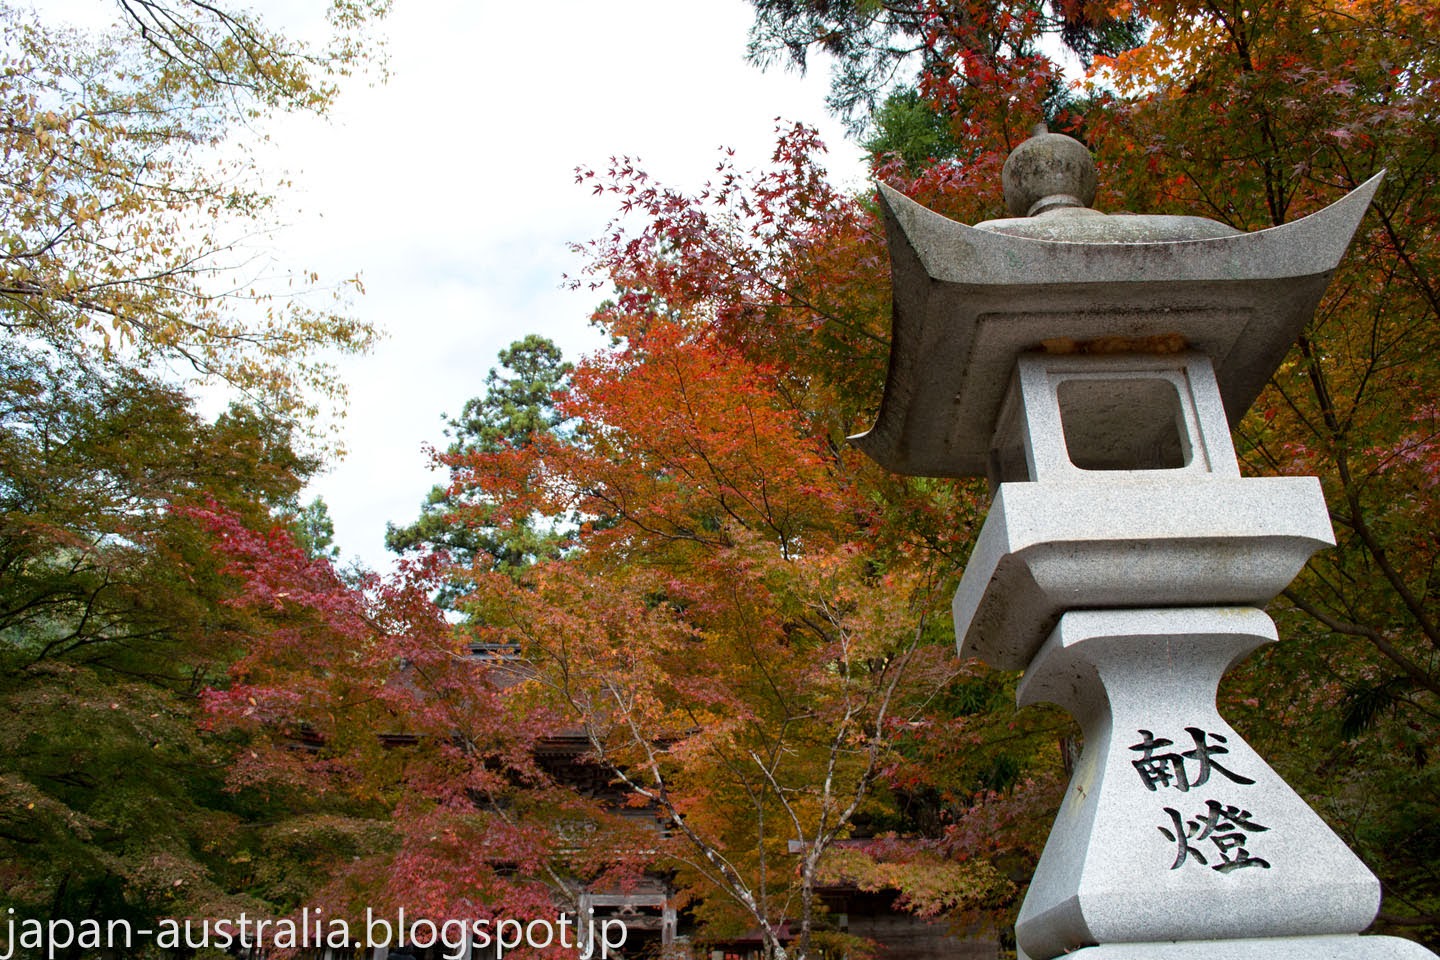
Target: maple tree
x,y
710,636
120,182
747,622
429,761
111,625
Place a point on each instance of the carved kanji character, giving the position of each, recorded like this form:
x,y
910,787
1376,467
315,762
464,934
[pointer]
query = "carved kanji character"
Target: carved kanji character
x,y
1163,770
1204,754
1225,826
1181,838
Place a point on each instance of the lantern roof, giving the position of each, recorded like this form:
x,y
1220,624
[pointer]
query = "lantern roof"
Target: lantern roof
x,y
968,300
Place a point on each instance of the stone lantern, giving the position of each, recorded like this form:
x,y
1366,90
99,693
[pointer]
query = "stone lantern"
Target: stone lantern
x,y
1092,366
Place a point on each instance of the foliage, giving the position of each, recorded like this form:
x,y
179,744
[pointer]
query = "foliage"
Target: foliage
x,y
122,177
314,530
979,55
111,622
709,638
516,408
909,127
92,466
746,624
123,218
365,696
932,884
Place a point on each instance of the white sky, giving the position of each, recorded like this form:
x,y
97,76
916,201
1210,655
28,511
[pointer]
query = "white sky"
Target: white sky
x,y
451,191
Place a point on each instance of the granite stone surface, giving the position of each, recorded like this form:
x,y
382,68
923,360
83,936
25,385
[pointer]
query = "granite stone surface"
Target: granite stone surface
x,y
968,302
1172,827
1147,542
1289,948
1048,167
1088,418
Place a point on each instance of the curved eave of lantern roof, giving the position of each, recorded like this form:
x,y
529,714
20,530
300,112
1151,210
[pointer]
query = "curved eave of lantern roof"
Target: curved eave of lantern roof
x,y
968,301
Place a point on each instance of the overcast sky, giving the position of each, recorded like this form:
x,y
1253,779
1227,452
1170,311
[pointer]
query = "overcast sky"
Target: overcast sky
x,y
451,191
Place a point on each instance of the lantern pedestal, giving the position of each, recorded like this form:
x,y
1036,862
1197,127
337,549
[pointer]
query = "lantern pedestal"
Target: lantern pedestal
x,y
1173,828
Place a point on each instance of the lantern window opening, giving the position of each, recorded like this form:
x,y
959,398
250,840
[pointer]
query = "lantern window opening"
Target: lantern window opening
x,y
1122,424
1071,417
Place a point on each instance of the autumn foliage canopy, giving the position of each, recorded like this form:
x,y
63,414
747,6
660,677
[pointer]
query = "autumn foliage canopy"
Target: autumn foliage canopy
x,y
667,560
